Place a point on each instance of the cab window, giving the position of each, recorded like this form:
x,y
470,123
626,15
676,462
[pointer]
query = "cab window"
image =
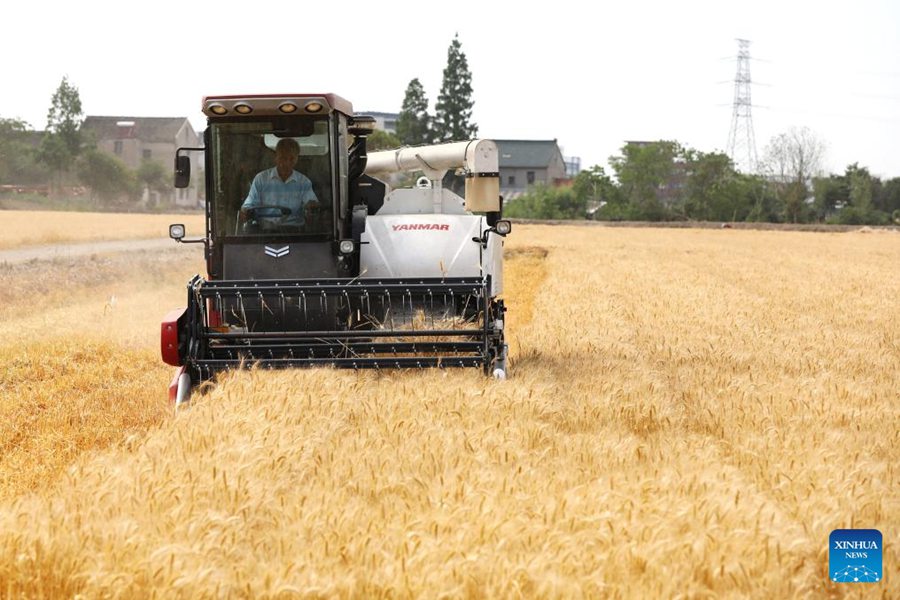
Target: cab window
x,y
256,193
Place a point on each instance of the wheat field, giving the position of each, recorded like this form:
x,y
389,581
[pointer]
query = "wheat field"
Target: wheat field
x,y
37,227
689,414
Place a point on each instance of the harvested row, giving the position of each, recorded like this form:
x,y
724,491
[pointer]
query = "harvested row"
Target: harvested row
x,y
79,357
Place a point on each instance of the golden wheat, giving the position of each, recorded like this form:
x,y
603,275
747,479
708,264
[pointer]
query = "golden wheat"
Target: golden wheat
x,y
79,357
690,413
27,227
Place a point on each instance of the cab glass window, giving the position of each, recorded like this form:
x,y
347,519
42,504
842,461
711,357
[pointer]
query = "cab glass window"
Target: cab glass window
x,y
272,178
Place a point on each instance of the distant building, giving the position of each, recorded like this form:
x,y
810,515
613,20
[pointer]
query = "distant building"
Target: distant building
x,y
136,139
573,166
383,120
524,163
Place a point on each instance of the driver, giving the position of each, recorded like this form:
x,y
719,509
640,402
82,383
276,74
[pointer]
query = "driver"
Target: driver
x,y
281,186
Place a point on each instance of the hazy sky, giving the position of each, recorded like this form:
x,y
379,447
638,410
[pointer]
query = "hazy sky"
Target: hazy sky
x,y
591,75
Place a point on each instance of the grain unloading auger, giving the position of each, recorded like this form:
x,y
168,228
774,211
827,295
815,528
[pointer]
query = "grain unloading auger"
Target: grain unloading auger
x,y
363,277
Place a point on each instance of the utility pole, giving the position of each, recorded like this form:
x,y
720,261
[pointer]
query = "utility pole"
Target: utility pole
x,y
741,140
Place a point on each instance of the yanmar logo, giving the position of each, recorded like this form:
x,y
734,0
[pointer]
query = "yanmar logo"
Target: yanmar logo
x,y
421,227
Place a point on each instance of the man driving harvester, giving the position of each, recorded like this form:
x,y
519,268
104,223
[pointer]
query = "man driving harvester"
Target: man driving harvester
x,y
279,197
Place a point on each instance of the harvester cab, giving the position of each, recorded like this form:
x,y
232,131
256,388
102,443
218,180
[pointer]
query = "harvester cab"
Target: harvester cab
x,y
312,259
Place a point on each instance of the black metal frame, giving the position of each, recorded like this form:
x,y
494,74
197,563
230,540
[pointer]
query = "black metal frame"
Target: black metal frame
x,y
478,342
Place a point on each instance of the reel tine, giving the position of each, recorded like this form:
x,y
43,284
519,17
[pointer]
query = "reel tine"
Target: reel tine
x,y
390,309
412,310
302,300
348,307
431,306
453,309
240,299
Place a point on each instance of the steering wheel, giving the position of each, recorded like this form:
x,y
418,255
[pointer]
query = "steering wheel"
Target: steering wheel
x,y
274,218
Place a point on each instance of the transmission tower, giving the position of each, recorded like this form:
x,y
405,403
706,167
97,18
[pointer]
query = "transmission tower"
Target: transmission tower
x,y
741,141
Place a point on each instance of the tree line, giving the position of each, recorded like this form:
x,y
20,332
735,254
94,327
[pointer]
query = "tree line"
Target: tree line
x,y
651,181
64,155
666,181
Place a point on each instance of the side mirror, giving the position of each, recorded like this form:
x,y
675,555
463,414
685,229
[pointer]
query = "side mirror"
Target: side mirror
x,y
182,171
176,232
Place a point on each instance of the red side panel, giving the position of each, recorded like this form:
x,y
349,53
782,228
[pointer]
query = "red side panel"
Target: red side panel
x,y
169,337
214,318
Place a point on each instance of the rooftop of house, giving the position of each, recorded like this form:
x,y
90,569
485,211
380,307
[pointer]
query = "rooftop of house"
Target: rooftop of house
x,y
527,153
146,129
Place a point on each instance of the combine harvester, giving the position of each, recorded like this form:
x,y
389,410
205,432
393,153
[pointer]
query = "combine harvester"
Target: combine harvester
x,y
366,277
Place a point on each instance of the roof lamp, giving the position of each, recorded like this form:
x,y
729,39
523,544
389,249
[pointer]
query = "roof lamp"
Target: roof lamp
x,y
313,107
287,107
244,109
217,109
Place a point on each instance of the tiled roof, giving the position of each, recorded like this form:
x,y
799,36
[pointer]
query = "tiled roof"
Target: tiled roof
x,y
527,153
146,129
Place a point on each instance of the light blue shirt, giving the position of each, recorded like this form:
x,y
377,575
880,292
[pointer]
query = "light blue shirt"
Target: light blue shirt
x,y
268,189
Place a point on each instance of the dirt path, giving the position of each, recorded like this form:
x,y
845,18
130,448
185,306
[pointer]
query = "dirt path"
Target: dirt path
x,y
62,251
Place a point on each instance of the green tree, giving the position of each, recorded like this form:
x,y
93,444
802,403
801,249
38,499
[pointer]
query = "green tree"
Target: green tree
x,y
645,173
595,186
595,189
793,196
545,202
17,159
61,144
110,180
414,123
829,193
765,207
860,183
715,191
382,140
889,200
855,198
453,111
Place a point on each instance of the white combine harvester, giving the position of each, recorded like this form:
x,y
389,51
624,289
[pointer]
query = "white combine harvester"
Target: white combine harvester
x,y
367,277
